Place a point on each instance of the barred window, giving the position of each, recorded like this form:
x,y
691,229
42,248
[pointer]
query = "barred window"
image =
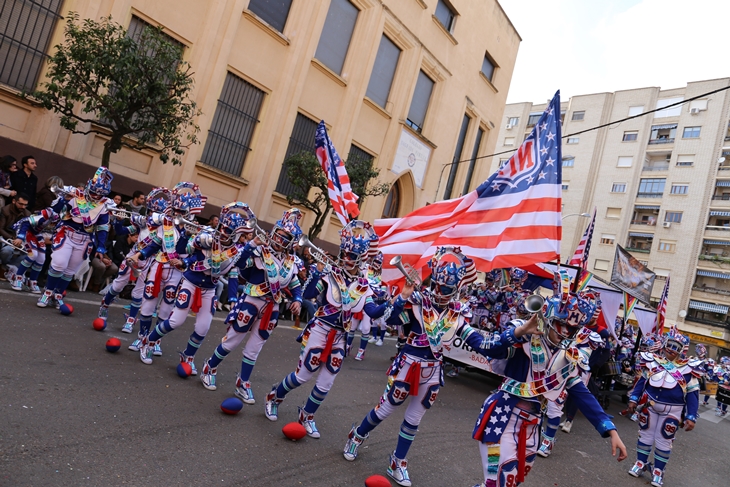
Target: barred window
x,y
337,34
274,12
137,26
235,119
419,102
26,27
618,188
301,140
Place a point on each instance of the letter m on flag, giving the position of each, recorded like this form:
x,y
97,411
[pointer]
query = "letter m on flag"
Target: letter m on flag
x,y
522,160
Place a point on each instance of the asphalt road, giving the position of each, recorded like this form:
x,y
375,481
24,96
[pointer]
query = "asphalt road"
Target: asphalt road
x,y
75,415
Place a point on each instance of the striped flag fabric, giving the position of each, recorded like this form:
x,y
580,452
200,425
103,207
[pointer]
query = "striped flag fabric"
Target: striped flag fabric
x,y
344,201
661,310
629,304
580,257
510,220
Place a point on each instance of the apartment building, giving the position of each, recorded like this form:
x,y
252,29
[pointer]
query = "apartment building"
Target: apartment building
x,y
410,84
661,185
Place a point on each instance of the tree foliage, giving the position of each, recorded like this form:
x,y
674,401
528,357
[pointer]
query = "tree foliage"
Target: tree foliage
x,y
305,174
134,91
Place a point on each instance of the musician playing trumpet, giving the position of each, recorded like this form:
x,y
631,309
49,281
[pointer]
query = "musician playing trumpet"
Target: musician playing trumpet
x,y
339,294
29,238
269,267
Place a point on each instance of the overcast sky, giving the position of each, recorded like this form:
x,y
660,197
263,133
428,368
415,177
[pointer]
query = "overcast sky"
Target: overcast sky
x,y
592,46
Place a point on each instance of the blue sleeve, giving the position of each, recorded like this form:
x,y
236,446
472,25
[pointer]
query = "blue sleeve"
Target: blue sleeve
x,y
232,287
23,230
59,205
495,346
102,231
692,399
638,390
373,310
314,286
151,248
246,254
590,408
182,243
296,292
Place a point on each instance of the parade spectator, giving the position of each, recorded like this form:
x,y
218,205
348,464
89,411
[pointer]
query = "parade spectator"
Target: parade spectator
x,y
122,247
8,165
104,268
117,199
9,215
25,181
213,222
45,196
136,204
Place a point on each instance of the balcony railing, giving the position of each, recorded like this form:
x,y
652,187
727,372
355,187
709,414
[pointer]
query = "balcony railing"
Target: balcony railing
x,y
711,290
666,140
714,258
707,322
717,227
723,168
637,249
642,222
664,167
721,196
649,195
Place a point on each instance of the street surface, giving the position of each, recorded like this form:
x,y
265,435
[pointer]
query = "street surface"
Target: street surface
x,y
73,414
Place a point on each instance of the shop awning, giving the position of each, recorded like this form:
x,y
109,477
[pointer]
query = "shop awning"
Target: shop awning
x,y
712,308
726,152
665,126
723,184
719,213
717,275
644,235
648,207
715,242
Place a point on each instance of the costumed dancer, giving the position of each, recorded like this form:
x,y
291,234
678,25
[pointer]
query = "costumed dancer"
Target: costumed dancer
x,y
723,380
340,294
29,234
361,321
212,255
83,227
535,366
268,268
710,376
671,388
158,203
168,244
429,317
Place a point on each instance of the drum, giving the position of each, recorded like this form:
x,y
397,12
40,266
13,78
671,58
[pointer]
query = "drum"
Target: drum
x,y
723,395
710,389
609,368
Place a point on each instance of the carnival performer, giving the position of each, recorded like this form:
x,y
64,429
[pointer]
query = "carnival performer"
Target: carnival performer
x,y
340,293
168,244
428,317
29,234
671,388
212,255
83,227
268,268
158,203
361,321
535,366
710,376
723,380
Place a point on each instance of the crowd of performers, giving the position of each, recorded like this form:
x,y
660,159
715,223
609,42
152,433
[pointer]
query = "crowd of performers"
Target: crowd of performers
x,y
544,354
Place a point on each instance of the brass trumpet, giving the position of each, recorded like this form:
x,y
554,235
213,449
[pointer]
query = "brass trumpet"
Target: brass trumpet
x,y
319,255
533,305
408,271
10,244
122,213
66,191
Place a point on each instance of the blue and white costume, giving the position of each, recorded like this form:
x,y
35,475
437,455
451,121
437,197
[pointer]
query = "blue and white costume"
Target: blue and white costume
x,y
30,231
362,321
268,269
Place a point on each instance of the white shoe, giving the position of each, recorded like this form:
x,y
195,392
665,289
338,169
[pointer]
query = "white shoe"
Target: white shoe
x,y
134,346
379,342
157,352
33,286
271,408
16,282
398,471
207,377
243,391
145,352
307,420
353,443
567,425
372,339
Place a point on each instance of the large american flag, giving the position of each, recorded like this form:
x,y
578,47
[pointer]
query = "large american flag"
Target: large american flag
x,y
661,310
344,201
580,257
511,220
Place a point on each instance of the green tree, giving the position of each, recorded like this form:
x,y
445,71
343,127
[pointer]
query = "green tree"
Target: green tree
x,y
136,92
305,174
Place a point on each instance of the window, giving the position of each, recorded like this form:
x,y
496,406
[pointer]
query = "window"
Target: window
x,y
273,12
514,121
392,202
630,135
573,140
568,161
636,110
25,31
488,67
230,133
457,157
381,79
685,159
566,185
673,216
509,141
600,265
301,140
698,104
419,103
336,34
669,112
608,239
358,155
667,246
533,119
472,162
613,213
625,161
618,188
651,187
691,132
446,15
679,189
663,134
578,115
137,27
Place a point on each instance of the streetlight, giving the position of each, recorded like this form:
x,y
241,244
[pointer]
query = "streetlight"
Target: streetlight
x,y
583,215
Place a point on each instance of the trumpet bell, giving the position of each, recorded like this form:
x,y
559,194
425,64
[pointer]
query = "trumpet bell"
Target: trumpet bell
x,y
395,261
534,303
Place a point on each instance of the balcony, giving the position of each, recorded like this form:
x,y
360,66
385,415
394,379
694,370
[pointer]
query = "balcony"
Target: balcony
x,y
723,167
640,242
658,167
715,261
663,134
649,195
699,318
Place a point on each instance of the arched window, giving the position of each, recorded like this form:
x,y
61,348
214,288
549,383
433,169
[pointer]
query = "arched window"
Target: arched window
x,y
392,202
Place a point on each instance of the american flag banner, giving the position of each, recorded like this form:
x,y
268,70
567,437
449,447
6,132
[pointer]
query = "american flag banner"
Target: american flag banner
x,y
344,201
510,220
580,257
661,310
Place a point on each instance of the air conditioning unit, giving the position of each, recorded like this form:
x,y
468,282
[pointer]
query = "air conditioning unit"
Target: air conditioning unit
x,y
667,224
694,111
509,126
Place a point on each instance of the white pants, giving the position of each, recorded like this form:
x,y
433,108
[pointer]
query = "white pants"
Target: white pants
x,y
168,289
70,253
183,302
309,358
247,323
658,424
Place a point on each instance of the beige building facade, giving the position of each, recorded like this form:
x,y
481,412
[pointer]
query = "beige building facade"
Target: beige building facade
x,y
661,186
412,84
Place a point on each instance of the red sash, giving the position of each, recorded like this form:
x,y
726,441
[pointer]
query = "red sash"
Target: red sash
x,y
158,281
197,299
328,347
413,377
266,316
